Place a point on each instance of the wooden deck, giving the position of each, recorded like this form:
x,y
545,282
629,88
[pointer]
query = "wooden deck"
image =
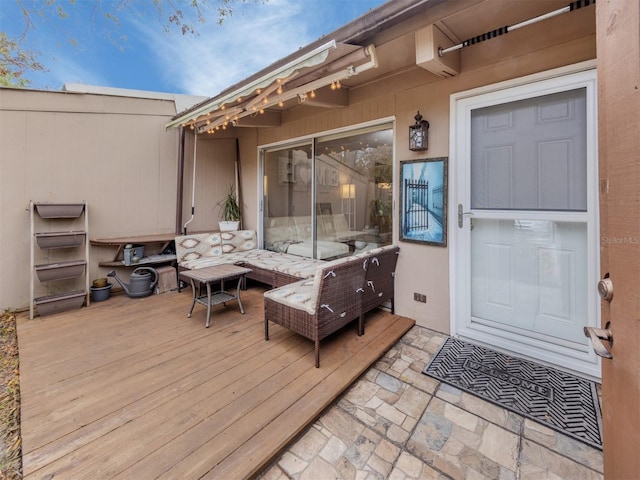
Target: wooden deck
x,y
131,388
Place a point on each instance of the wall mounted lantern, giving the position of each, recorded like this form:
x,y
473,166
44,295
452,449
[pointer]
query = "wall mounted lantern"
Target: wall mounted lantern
x,y
419,134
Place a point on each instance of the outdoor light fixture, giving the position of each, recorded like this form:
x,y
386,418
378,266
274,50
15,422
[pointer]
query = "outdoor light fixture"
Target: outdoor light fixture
x,y
419,134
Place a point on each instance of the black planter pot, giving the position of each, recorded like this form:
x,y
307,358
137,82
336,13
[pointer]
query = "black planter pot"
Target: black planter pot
x,y
98,294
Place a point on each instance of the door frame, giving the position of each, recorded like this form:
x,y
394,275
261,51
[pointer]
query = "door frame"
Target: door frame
x,y
618,47
584,362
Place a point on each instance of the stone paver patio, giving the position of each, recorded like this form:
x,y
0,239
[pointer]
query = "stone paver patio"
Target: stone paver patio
x,y
397,423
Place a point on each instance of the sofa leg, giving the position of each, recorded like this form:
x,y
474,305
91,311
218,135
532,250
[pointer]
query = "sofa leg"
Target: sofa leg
x,y
361,325
393,306
266,329
317,353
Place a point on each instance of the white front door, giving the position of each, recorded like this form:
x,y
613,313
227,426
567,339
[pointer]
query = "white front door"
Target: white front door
x,y
525,219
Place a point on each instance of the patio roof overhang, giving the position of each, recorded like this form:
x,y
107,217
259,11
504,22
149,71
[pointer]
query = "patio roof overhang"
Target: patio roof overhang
x,y
313,78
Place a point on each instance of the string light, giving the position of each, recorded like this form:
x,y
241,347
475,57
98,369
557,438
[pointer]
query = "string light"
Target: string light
x,y
258,105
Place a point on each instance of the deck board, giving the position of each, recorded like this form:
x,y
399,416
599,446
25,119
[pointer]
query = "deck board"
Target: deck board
x,y
131,388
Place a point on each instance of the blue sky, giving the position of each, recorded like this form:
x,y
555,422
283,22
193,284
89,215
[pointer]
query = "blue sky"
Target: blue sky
x,y
140,55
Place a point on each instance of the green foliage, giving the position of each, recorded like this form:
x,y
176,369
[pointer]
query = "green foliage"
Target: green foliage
x,y
229,208
14,62
380,214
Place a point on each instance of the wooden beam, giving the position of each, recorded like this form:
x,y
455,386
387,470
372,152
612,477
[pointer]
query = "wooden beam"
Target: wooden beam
x,y
327,98
267,119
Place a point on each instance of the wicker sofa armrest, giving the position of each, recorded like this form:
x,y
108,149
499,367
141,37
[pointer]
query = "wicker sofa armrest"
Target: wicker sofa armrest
x,y
334,300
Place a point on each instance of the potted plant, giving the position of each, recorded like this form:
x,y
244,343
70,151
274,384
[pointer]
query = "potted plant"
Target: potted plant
x,y
380,215
229,211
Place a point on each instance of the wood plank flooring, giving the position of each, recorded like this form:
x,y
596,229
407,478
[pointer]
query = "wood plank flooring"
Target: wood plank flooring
x,y
131,388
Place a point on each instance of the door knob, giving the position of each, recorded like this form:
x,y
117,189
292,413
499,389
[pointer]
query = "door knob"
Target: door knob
x,y
596,335
605,288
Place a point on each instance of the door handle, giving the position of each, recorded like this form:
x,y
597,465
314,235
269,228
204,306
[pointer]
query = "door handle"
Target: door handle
x,y
596,335
461,215
605,288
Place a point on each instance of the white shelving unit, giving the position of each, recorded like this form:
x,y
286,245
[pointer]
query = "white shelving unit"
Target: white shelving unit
x,y
59,257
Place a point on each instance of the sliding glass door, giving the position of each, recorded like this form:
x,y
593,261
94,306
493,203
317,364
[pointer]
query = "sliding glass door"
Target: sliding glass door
x,y
288,194
330,197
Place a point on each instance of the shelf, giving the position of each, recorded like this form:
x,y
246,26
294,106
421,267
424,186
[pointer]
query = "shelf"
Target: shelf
x,y
60,303
60,239
59,210
216,298
155,238
163,239
70,264
150,260
60,271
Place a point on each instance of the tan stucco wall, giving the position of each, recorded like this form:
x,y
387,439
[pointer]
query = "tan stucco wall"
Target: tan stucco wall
x,y
215,172
425,269
111,152
214,168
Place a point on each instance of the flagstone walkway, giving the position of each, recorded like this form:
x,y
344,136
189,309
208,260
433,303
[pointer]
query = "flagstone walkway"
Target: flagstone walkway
x,y
397,423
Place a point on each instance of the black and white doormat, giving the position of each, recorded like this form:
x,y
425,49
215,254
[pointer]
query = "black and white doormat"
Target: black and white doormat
x,y
559,400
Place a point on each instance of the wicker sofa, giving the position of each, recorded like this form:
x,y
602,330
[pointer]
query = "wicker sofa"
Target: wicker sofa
x,y
339,292
314,298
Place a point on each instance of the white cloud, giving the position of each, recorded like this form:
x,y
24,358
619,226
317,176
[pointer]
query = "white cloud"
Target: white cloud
x,y
139,54
63,69
253,38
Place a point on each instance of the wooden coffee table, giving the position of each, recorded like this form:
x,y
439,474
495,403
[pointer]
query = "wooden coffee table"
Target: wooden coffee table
x,y
210,275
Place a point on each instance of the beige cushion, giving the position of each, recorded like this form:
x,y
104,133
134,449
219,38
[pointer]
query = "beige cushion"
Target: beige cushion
x,y
239,241
302,295
301,268
196,246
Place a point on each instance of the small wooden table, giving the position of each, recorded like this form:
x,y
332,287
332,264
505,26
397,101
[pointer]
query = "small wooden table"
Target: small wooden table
x,y
209,275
